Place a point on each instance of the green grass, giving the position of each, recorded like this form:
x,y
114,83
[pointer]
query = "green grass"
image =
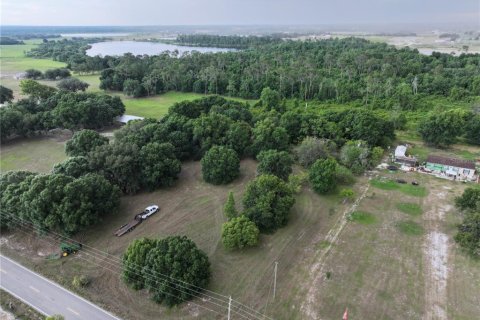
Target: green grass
x,y
410,228
409,189
363,217
33,154
412,209
13,60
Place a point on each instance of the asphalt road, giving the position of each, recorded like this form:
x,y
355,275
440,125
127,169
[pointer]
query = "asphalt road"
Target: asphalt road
x,y
47,297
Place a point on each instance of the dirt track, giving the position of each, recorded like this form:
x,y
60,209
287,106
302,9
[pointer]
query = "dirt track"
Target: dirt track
x,y
436,248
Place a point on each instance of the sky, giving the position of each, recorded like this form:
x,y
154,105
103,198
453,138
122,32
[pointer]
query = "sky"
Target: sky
x,y
238,12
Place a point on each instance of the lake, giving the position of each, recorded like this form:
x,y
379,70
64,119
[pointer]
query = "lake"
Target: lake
x,y
118,48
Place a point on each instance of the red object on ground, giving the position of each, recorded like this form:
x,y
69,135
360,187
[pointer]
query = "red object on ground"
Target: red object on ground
x,y
345,314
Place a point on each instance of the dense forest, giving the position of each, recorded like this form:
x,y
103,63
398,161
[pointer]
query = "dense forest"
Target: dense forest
x,y
238,42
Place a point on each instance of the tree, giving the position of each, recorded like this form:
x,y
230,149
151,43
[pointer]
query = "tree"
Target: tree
x,y
133,88
468,235
239,232
59,73
229,208
268,135
73,167
160,166
355,155
120,163
36,90
11,188
277,163
72,84
442,128
33,74
271,100
84,141
322,175
220,165
472,130
184,268
6,94
86,200
469,200
311,149
134,259
267,202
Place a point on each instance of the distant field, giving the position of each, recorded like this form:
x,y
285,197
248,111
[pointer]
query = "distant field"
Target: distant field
x,y
33,154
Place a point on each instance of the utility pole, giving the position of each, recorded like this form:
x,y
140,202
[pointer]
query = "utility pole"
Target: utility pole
x,y
229,307
275,280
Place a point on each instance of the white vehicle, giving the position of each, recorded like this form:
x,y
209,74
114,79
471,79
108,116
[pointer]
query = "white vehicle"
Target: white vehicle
x,y
149,211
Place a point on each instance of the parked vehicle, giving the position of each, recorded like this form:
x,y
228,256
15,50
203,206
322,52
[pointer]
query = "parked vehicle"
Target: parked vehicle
x,y
149,211
392,168
401,181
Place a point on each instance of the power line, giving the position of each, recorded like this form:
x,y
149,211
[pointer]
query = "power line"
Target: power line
x,y
114,260
119,273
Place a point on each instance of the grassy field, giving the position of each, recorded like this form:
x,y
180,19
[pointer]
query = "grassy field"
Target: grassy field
x,y
194,208
33,154
381,269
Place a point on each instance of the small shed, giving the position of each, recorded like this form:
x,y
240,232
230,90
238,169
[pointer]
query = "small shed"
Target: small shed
x,y
401,157
127,118
458,168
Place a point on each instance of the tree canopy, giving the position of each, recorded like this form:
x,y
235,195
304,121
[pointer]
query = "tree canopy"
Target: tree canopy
x,y
220,165
277,163
239,232
84,141
267,202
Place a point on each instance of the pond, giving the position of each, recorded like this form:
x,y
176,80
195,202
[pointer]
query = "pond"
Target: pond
x,y
118,48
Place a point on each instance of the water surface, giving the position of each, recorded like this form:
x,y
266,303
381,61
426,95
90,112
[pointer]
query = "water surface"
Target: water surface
x,y
118,48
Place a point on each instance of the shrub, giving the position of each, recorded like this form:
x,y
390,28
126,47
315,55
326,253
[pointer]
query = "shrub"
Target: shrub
x,y
347,194
267,202
277,163
311,149
239,232
322,175
80,281
220,165
343,175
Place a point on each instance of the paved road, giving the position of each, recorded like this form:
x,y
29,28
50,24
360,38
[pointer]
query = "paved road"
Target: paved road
x,y
47,297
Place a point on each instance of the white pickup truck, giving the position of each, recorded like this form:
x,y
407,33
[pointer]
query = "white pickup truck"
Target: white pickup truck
x,y
149,211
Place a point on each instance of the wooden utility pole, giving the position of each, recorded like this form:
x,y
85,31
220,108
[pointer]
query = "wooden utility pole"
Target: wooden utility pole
x,y
229,307
275,280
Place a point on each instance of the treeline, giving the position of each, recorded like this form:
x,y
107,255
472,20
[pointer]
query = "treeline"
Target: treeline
x,y
9,41
55,202
338,70
46,109
50,74
72,52
237,42
146,154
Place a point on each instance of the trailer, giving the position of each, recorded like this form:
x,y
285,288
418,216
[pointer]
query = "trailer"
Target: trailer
x,y
129,226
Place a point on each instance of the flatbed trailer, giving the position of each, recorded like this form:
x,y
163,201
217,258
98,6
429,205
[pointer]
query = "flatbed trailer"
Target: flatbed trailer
x,y
129,226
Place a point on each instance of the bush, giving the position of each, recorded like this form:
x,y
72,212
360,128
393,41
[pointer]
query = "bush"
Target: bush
x,y
83,142
343,175
347,194
72,84
239,232
80,281
355,156
311,149
468,236
267,202
322,175
220,165
277,163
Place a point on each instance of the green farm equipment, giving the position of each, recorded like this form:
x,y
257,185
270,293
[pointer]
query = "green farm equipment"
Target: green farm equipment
x,y
69,248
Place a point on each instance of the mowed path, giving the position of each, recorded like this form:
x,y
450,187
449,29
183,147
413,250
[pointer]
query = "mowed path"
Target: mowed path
x,y
436,249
